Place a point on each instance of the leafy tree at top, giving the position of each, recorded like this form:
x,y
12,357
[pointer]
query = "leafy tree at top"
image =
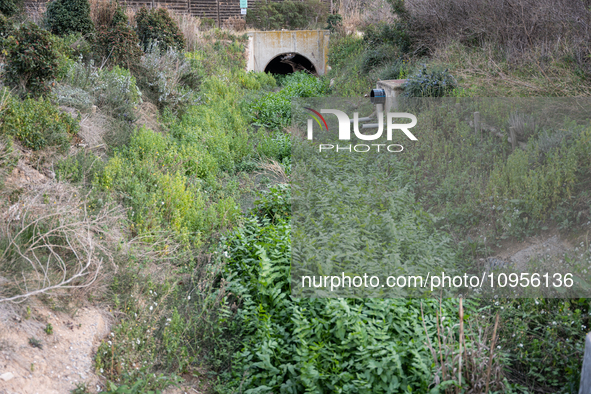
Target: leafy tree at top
x,y
69,16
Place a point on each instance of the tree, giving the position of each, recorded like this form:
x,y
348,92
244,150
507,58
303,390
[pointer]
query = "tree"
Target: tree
x,y
10,7
69,16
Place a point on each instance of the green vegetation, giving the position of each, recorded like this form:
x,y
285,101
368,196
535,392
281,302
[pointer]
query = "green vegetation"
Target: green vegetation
x,y
156,27
430,84
65,17
116,43
176,167
31,60
37,124
299,344
10,7
6,28
273,111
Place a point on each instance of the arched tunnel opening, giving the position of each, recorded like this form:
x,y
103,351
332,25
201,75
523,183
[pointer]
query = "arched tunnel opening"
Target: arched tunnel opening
x,y
288,63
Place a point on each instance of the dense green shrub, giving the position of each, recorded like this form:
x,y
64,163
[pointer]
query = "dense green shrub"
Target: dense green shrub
x,y
276,146
157,26
333,21
117,44
288,14
69,16
545,339
6,29
394,35
345,56
31,60
10,7
274,204
430,84
273,110
377,57
397,69
73,46
38,124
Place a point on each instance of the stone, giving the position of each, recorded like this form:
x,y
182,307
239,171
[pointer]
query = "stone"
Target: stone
x,y
7,376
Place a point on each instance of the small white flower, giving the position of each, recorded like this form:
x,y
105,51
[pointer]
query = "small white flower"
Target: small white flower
x,y
151,307
521,345
189,297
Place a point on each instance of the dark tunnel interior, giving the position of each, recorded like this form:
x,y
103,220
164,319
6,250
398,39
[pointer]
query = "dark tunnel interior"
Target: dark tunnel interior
x,y
288,63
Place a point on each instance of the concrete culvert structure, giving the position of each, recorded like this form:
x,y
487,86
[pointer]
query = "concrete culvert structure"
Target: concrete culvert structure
x,y
286,51
288,63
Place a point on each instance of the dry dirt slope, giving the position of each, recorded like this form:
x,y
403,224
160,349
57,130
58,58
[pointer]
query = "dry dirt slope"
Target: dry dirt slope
x,y
65,357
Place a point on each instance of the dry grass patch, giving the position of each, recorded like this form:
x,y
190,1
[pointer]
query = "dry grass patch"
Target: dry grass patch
x,y
53,239
486,71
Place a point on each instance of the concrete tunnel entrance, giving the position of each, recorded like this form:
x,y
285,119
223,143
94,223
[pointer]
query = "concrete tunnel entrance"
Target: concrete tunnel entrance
x,y
288,63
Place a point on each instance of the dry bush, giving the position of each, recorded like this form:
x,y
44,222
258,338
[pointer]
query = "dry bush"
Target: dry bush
x,y
516,25
235,23
357,15
130,14
539,72
102,12
274,169
35,12
467,360
50,240
189,26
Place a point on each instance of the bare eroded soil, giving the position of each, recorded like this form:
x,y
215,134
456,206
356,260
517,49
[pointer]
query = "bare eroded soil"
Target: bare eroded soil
x,y
65,357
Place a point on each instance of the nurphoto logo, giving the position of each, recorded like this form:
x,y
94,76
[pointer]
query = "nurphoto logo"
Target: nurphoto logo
x,y
345,130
